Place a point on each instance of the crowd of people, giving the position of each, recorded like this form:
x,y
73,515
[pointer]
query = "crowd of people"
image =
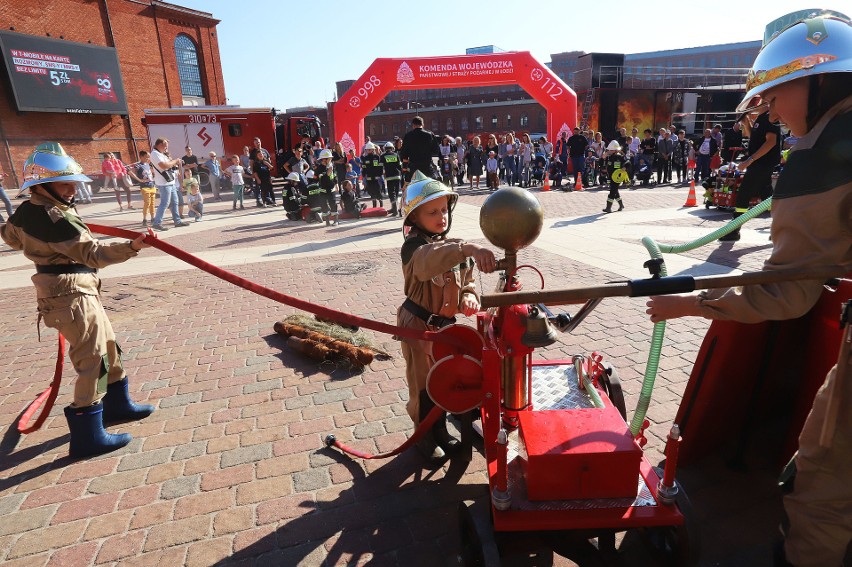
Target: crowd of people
x,y
322,181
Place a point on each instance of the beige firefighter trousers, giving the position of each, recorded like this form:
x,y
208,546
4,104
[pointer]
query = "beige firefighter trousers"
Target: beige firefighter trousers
x,y
820,506
96,357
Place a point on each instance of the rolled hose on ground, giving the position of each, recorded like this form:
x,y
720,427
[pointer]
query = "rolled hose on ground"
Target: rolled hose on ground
x,y
656,251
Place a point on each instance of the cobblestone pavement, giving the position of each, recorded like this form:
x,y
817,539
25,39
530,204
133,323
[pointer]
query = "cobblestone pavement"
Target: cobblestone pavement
x,y
231,469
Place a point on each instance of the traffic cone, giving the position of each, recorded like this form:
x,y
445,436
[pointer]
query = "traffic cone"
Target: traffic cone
x,y
691,200
546,186
578,186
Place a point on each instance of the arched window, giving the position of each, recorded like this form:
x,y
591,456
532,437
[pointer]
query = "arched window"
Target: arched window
x,y
372,130
525,120
478,122
449,124
494,120
187,64
464,123
508,121
542,120
383,128
434,124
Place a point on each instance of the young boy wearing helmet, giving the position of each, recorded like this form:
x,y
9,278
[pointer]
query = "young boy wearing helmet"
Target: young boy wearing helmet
x,y
616,167
439,284
371,165
803,75
51,234
324,173
393,176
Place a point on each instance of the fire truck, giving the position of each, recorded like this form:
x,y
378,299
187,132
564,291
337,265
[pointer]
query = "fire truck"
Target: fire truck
x,y
226,130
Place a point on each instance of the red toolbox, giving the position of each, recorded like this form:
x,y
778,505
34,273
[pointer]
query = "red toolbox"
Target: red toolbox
x,y
578,454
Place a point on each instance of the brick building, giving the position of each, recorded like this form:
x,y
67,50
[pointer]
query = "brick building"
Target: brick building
x,y
168,56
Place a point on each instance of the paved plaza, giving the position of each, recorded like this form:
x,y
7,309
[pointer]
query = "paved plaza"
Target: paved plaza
x,y
231,468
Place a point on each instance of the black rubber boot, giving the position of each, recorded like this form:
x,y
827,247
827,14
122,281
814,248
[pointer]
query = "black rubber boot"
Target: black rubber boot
x,y
445,441
732,236
119,407
620,204
608,208
88,437
428,445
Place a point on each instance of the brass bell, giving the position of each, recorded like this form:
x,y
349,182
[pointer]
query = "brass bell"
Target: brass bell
x,y
539,332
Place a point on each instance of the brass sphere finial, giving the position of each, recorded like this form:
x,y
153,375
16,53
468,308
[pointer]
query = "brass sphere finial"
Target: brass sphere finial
x,y
511,218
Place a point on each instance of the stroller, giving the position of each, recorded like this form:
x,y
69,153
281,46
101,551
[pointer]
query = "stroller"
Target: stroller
x,y
537,169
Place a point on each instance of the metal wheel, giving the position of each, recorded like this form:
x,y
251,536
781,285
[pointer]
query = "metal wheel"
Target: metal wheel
x,y
478,547
612,387
675,546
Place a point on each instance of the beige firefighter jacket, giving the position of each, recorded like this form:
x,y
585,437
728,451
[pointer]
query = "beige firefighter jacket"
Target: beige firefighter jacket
x,y
812,229
51,233
437,275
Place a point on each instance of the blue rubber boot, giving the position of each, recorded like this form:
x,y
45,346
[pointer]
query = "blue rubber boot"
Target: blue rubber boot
x,y
88,437
119,407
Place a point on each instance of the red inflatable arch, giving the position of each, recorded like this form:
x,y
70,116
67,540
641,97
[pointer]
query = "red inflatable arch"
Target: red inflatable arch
x,y
509,68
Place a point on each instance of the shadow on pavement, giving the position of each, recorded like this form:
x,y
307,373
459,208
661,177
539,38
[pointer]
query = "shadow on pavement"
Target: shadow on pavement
x,y
399,507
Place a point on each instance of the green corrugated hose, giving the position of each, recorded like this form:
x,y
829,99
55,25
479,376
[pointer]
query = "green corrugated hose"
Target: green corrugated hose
x,y
656,251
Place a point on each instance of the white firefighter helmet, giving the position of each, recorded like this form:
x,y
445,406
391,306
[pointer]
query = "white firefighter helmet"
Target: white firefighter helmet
x,y
49,163
325,154
309,174
369,146
423,189
388,145
293,176
613,146
818,44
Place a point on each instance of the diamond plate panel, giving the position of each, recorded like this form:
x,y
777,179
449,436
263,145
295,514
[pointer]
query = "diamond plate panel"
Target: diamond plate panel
x,y
555,387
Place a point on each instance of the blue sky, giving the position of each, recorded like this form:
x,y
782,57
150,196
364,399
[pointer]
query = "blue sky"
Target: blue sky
x,y
288,54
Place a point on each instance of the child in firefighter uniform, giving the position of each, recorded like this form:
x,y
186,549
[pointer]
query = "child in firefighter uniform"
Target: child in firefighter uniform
x,y
294,190
371,165
616,165
802,75
439,284
49,232
324,173
393,177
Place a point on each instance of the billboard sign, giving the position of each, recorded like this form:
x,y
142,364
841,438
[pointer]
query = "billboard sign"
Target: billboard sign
x,y
49,75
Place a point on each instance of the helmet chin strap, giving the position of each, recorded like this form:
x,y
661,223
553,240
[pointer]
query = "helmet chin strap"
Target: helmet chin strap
x,y
47,187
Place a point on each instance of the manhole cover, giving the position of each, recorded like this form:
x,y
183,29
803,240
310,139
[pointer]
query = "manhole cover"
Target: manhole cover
x,y
347,268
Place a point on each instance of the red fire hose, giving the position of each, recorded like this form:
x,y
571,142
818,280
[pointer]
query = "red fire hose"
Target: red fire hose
x,y
425,426
324,312
48,397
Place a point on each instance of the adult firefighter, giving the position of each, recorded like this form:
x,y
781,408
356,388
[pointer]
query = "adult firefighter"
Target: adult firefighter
x,y
393,176
803,76
371,165
764,153
418,147
51,234
324,172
